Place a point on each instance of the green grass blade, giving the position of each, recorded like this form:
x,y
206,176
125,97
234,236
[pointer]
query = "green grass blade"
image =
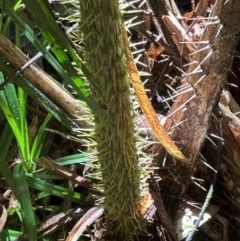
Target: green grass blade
x,y
29,33
36,95
16,116
40,139
54,190
73,159
22,96
25,201
9,235
12,102
11,119
56,37
17,182
5,143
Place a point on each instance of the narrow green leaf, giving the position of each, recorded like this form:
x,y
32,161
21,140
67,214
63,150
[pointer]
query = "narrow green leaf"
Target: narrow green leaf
x,y
25,201
40,139
54,190
73,159
29,33
9,235
24,127
12,102
11,120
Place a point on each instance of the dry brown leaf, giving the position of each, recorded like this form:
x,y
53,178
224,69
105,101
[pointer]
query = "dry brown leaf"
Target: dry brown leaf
x,y
153,51
89,218
149,112
62,171
3,218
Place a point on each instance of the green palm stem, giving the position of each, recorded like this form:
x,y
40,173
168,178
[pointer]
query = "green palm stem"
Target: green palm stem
x,y
101,24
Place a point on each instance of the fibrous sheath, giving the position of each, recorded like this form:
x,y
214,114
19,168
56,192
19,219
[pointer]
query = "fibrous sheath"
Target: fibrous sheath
x,y
101,24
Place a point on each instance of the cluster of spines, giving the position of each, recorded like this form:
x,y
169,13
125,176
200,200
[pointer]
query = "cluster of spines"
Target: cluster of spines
x,y
114,203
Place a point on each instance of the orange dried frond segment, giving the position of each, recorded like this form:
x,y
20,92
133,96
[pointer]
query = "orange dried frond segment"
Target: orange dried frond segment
x,y
150,113
145,203
153,51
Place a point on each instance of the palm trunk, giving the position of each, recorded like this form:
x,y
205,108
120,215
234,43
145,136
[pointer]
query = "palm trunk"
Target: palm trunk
x,y
116,143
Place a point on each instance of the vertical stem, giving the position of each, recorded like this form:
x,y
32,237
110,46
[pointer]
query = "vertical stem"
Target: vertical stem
x,y
101,23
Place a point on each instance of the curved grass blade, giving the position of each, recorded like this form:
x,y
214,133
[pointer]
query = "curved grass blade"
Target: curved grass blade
x,y
9,95
11,119
14,108
22,96
55,190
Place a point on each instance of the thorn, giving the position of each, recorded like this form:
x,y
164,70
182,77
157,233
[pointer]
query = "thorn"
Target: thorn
x,y
164,100
72,28
206,57
138,51
200,186
219,29
134,24
183,86
179,93
236,113
141,73
138,43
133,11
199,80
232,73
183,105
194,62
206,164
142,64
193,42
125,5
207,18
176,125
179,69
142,2
232,85
207,137
130,20
171,88
217,137
199,50
211,23
198,69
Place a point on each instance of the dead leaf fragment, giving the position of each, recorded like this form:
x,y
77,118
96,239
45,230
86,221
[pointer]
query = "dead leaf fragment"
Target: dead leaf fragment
x,y
3,218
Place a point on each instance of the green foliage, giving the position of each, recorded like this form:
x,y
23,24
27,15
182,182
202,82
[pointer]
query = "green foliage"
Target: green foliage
x,y
13,102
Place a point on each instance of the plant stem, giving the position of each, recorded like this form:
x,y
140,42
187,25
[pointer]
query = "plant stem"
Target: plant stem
x,y
116,142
